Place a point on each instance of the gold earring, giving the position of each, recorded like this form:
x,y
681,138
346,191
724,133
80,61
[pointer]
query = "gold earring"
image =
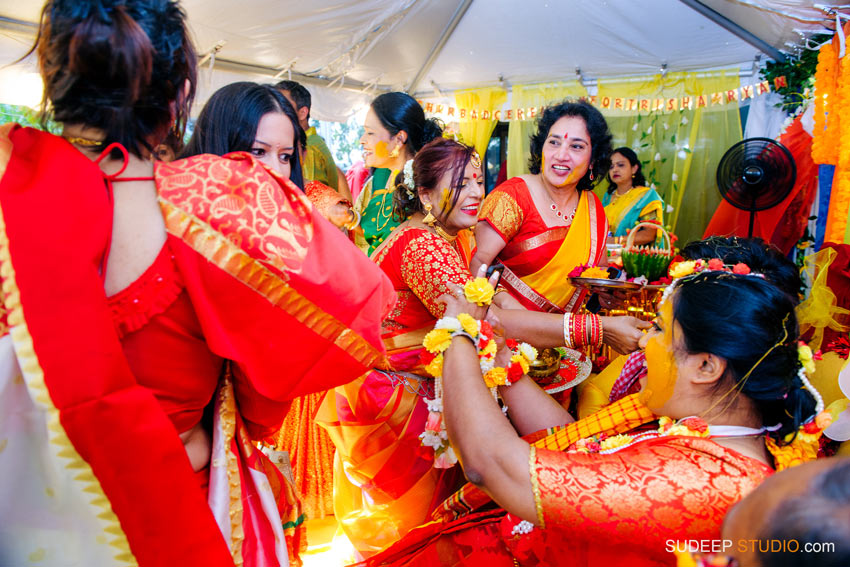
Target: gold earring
x,y
395,151
429,219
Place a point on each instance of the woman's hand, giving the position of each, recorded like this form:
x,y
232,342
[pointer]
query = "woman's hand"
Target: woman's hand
x,y
341,215
623,333
610,299
503,355
455,299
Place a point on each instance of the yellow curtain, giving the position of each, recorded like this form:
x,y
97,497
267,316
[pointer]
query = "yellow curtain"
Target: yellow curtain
x,y
477,132
680,150
519,131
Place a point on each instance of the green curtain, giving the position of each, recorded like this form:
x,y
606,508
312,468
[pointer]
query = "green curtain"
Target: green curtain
x,y
519,131
680,149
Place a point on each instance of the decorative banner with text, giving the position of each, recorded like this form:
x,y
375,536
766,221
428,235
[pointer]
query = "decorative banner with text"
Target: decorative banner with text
x,y
627,104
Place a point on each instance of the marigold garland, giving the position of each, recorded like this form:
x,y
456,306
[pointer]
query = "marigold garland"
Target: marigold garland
x,y
826,132
436,342
841,185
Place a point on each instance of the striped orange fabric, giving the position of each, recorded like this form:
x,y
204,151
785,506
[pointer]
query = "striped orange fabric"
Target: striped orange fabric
x,y
620,417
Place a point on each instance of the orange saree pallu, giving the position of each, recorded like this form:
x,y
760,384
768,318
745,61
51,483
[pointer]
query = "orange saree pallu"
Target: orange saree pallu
x,y
113,483
310,450
538,258
384,479
385,482
595,509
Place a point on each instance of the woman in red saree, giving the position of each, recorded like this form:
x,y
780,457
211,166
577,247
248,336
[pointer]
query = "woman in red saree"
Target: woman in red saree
x,y
542,225
385,481
599,491
149,311
258,119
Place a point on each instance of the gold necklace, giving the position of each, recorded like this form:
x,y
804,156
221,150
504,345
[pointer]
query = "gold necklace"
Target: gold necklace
x,y
83,141
443,234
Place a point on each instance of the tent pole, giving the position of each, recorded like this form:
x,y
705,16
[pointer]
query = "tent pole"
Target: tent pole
x,y
438,47
734,28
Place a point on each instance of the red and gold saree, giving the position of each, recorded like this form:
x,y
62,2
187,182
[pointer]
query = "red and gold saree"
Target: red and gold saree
x,y
539,258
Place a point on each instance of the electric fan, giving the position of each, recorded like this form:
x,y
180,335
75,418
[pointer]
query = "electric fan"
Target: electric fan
x,y
756,174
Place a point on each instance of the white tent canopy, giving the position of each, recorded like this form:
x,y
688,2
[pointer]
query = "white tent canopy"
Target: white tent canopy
x,y
347,51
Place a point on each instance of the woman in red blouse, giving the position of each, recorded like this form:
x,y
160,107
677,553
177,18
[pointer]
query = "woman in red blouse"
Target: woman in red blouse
x,y
385,481
157,318
616,488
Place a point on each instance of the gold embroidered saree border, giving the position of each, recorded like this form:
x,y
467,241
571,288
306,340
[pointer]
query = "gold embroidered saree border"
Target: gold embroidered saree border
x,y
535,485
33,374
220,251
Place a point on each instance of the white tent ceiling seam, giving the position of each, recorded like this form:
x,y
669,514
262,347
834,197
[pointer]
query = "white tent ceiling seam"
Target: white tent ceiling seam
x,y
347,51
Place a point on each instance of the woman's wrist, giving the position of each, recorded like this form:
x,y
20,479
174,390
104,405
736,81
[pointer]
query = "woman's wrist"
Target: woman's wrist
x,y
583,330
354,220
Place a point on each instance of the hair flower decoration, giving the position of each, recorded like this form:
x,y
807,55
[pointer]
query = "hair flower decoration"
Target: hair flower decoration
x,y
683,268
408,177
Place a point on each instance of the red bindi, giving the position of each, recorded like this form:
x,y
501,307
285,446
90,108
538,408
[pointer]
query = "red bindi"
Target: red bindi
x,y
475,176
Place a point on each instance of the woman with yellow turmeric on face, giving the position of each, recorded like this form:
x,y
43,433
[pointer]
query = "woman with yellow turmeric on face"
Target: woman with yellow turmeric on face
x,y
728,407
394,130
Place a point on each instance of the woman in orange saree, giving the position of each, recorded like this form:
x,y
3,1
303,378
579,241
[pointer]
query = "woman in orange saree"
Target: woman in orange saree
x,y
147,312
604,490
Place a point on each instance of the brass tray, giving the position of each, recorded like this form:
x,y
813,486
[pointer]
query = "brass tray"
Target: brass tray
x,y
592,283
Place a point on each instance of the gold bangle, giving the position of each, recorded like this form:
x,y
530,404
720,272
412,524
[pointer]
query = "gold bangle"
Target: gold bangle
x,y
568,339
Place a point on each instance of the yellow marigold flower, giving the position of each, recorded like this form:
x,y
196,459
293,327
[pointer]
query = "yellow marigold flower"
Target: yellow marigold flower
x,y
595,272
489,349
437,340
468,324
479,291
682,269
435,367
496,376
614,442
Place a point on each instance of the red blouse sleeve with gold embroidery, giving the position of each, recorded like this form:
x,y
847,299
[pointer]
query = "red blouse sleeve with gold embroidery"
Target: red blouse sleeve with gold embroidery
x,y
429,264
502,210
653,491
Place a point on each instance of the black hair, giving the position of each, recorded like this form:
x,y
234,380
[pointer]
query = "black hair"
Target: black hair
x,y
398,112
430,164
229,120
600,138
750,323
760,256
638,180
818,516
120,66
299,94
